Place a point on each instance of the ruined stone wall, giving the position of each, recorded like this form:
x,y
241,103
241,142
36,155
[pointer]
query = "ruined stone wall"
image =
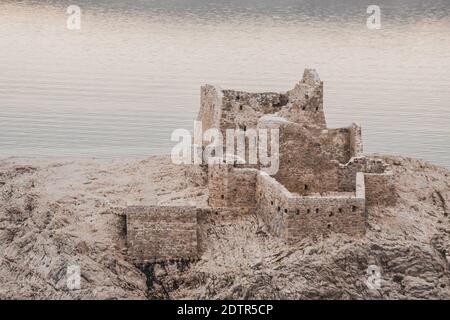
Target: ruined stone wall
x,y
355,137
241,147
380,189
336,144
243,109
309,162
272,202
347,172
293,217
322,215
210,107
218,184
238,110
306,101
304,166
360,186
231,187
231,109
302,108
158,233
242,187
379,180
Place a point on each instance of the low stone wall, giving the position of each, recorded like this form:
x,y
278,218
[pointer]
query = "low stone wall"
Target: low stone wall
x,y
323,215
159,233
378,178
314,215
272,200
293,217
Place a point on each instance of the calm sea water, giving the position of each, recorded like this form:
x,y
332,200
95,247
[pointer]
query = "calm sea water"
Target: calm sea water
x,y
119,86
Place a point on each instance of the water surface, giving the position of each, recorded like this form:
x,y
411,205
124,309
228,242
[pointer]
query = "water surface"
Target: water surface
x,y
119,86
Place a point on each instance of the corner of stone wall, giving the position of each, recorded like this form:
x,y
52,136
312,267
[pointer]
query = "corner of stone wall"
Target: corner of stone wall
x,y
356,145
211,98
218,177
360,186
230,186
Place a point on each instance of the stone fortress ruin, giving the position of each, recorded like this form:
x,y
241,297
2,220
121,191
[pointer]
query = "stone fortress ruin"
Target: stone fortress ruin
x,y
323,184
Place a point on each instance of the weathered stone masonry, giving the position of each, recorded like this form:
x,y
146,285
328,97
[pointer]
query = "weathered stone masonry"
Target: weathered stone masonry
x,y
161,233
323,185
293,217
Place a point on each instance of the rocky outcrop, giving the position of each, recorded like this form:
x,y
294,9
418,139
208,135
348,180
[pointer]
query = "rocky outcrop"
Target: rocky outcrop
x,y
407,243
57,214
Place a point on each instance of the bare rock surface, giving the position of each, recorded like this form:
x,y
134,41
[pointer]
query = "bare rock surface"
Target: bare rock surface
x,y
57,214
54,214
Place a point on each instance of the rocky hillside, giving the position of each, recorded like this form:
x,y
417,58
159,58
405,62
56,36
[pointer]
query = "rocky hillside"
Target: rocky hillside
x,y
55,214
